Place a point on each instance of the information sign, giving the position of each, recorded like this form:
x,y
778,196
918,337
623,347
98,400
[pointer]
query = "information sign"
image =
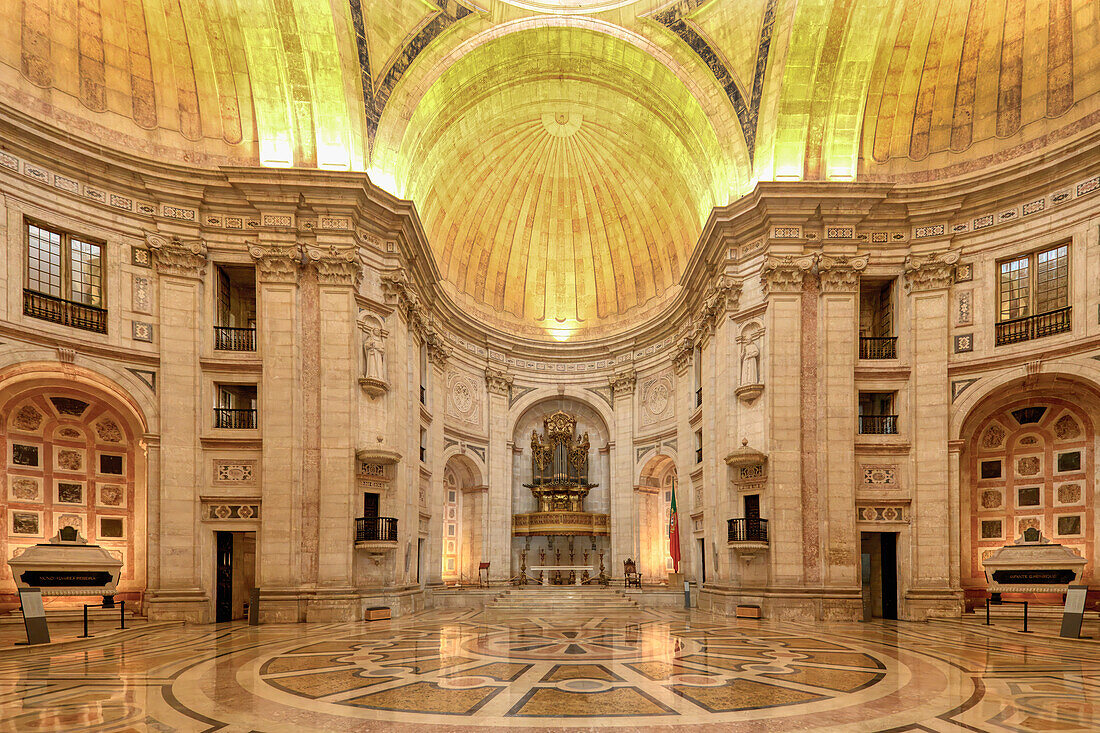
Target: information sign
x,y
34,616
1073,612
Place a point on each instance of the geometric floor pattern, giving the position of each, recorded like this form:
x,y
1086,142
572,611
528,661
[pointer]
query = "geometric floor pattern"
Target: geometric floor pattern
x,y
456,670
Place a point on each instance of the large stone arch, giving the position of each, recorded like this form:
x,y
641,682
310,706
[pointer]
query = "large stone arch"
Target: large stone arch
x,y
95,455
464,492
657,474
1013,437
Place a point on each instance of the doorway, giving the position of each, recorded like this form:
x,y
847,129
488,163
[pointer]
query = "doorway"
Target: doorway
x,y
702,560
234,574
880,568
370,505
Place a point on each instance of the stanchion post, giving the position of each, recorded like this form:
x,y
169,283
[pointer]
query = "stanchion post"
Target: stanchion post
x,y
987,612
1025,617
85,635
122,614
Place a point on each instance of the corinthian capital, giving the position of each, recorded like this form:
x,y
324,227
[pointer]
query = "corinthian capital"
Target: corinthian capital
x,y
784,274
839,273
931,271
622,383
336,266
498,381
277,263
177,257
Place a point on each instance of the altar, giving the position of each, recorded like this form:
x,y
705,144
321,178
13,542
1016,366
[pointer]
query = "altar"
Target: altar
x,y
578,572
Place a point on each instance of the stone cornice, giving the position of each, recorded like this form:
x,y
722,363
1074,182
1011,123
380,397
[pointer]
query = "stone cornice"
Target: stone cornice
x,y
335,266
438,351
622,383
276,263
681,354
177,257
933,271
840,273
498,381
784,274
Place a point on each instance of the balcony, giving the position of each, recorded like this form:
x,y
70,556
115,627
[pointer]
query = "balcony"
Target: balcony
x,y
376,534
748,536
65,312
878,424
1034,327
878,347
234,419
227,338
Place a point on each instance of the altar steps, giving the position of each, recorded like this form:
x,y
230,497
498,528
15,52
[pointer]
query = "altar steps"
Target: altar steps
x,y
563,599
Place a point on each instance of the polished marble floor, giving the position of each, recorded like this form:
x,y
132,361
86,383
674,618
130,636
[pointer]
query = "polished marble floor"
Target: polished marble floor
x,y
452,670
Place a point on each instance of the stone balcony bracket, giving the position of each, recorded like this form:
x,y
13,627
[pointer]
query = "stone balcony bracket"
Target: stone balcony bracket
x,y
374,387
748,393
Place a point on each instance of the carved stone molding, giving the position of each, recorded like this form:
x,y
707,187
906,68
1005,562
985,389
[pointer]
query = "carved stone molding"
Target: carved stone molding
x,y
840,273
681,354
336,266
622,383
723,295
275,263
784,274
438,351
177,257
498,381
933,271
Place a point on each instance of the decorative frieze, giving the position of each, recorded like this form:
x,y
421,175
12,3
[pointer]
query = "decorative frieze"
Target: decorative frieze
x,y
784,274
335,266
498,381
177,257
223,512
839,273
276,263
235,472
893,514
932,271
879,475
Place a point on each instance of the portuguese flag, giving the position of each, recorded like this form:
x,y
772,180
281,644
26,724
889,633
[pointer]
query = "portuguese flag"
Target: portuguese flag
x,y
674,534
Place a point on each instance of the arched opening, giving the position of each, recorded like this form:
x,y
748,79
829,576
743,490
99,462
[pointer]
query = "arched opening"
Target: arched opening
x,y
553,548
655,485
463,512
1028,461
74,457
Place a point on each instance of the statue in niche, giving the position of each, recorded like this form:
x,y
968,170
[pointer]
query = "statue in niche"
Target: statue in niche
x,y
750,363
374,367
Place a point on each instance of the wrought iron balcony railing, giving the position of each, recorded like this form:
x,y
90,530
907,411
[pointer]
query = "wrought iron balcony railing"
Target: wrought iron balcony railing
x,y
878,424
228,338
749,529
234,419
375,529
65,312
1034,327
878,347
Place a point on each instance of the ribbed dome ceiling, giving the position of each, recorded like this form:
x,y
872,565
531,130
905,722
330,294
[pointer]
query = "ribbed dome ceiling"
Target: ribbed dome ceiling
x,y
562,192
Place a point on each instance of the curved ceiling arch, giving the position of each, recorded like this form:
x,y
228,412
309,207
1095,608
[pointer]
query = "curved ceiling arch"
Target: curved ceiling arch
x,y
563,177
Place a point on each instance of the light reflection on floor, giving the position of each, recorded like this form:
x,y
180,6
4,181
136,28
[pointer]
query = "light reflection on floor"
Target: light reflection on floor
x,y
653,668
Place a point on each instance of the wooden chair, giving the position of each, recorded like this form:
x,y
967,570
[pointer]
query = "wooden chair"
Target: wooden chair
x,y
631,576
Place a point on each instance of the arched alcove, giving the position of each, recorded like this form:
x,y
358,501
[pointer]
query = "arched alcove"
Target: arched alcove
x,y
463,515
75,457
1028,459
654,492
540,550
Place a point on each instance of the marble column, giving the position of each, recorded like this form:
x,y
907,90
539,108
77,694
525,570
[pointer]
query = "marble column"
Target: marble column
x,y
928,280
279,547
498,529
782,280
839,306
338,276
179,591
621,491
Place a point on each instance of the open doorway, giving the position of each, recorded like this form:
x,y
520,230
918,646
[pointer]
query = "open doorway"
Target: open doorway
x,y
235,574
880,568
702,560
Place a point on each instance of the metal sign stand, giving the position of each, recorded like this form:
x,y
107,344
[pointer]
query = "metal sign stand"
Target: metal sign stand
x,y
34,616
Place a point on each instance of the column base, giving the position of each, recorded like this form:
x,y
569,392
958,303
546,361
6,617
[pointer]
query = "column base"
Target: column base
x,y
921,604
190,605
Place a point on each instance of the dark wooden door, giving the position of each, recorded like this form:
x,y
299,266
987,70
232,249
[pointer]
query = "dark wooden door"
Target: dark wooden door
x,y
223,599
752,506
370,504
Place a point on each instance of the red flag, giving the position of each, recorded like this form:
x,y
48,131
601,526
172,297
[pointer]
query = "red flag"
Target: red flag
x,y
674,534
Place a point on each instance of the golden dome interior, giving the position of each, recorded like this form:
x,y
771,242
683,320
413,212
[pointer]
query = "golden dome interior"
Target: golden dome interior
x,y
563,154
